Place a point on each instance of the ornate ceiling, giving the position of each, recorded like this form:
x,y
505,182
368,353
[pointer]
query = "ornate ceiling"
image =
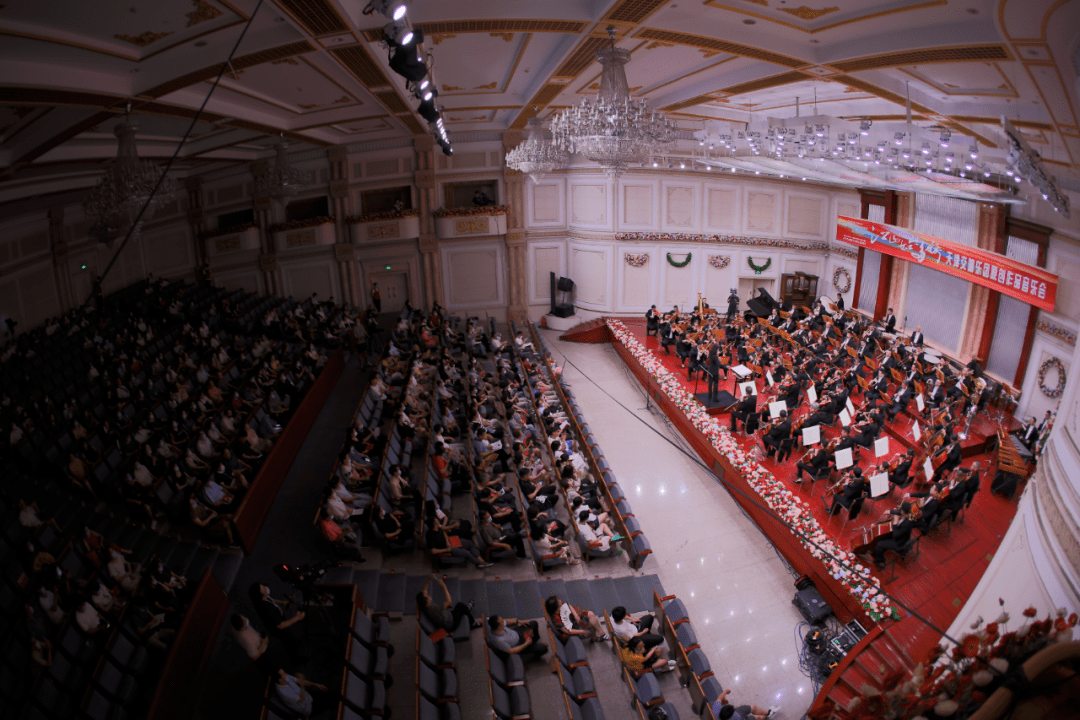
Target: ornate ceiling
x,y
315,70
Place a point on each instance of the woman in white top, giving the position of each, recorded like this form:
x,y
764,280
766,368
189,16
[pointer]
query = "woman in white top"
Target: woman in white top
x,y
127,575
88,618
248,638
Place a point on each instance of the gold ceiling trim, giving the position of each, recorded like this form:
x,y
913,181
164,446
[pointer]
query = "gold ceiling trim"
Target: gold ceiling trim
x,y
807,13
143,39
766,83
676,106
872,89
317,17
392,102
132,56
203,11
689,74
965,130
1042,29
540,100
1029,124
497,25
331,123
701,41
582,57
326,75
633,12
719,5
953,90
949,54
358,61
238,63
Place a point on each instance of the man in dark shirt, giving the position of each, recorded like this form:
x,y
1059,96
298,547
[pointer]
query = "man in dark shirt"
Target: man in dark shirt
x,y
897,538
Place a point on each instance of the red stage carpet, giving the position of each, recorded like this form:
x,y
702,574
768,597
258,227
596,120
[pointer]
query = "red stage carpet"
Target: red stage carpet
x,y
952,558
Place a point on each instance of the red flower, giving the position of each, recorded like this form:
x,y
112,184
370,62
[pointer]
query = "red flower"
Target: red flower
x,y
992,628
970,646
1031,612
978,697
892,679
926,687
1072,620
1061,624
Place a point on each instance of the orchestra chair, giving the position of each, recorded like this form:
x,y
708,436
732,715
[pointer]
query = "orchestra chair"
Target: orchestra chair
x,y
892,557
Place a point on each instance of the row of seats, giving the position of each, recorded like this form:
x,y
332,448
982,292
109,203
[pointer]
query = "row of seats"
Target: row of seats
x,y
634,541
575,676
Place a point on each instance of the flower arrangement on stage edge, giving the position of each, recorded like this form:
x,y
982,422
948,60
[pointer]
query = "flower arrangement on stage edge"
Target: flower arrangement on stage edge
x,y
956,683
841,272
684,263
726,239
467,211
719,261
794,511
1044,369
636,259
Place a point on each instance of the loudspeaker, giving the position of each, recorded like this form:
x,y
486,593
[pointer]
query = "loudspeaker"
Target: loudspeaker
x,y
564,310
811,605
565,284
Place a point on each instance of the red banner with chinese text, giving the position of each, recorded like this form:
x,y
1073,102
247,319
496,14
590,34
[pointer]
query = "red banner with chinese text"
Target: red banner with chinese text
x,y
1028,283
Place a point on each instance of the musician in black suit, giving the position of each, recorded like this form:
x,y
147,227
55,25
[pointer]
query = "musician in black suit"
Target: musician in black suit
x,y
667,337
917,337
854,489
746,407
777,434
900,476
817,417
840,302
952,460
816,464
972,484
697,361
900,400
876,388
732,305
652,322
930,510
1029,434
712,368
896,538
683,348
890,321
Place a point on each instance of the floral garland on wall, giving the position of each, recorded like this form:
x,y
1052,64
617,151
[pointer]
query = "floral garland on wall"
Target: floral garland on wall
x,y
469,211
790,508
684,263
727,239
844,252
719,261
1065,335
758,269
1044,369
636,260
837,274
300,224
386,215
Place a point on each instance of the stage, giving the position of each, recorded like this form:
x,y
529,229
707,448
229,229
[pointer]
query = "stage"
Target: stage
x,y
951,559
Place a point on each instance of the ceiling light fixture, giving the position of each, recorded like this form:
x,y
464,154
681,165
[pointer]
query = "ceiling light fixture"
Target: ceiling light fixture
x,y
943,139
537,157
613,130
864,127
393,9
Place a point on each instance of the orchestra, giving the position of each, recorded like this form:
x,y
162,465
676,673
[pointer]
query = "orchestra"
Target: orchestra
x,y
825,356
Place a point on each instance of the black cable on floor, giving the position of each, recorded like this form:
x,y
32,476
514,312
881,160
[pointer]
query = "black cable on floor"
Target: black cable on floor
x,y
764,508
176,153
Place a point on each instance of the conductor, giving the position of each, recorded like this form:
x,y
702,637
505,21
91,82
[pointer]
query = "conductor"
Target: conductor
x,y
712,370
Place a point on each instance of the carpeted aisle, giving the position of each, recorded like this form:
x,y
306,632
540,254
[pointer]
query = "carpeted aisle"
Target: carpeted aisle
x,y
952,558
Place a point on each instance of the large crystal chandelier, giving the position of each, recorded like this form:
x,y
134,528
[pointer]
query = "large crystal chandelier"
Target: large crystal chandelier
x,y
536,156
613,131
115,203
281,180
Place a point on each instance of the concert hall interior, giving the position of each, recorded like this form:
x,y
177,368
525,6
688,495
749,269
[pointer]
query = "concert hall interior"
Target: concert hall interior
x,y
561,360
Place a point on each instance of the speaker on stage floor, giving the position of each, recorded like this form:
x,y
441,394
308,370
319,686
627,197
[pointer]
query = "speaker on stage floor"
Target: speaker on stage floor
x,y
811,605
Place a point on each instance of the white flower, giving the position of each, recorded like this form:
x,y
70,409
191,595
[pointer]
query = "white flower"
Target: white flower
x,y
982,678
1000,664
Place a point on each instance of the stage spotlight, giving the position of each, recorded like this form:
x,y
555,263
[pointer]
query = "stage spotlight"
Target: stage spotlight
x,y
864,127
406,63
428,111
393,9
430,94
398,34
943,139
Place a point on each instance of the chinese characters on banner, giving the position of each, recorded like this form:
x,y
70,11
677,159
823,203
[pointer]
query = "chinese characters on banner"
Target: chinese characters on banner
x,y
1028,283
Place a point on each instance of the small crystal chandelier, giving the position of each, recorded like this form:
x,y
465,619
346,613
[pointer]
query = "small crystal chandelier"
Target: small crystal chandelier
x,y
536,156
613,131
115,202
281,180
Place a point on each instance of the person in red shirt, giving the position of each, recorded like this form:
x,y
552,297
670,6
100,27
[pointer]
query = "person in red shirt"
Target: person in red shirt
x,y
345,542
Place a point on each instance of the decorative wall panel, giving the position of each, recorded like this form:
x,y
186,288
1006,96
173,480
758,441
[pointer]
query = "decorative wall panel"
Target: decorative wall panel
x,y
589,270
761,212
722,209
636,286
546,201
805,215
637,202
678,282
545,262
474,277
680,209
588,204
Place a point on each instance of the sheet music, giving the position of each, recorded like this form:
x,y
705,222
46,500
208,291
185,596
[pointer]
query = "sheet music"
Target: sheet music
x,y
919,403
747,388
741,371
811,394
879,485
850,407
844,459
928,468
775,408
916,431
811,435
768,378
881,446
845,419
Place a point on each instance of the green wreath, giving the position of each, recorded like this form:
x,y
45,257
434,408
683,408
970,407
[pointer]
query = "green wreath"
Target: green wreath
x,y
684,263
758,270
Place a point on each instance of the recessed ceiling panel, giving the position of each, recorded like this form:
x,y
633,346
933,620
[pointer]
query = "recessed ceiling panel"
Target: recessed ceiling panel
x,y
292,84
